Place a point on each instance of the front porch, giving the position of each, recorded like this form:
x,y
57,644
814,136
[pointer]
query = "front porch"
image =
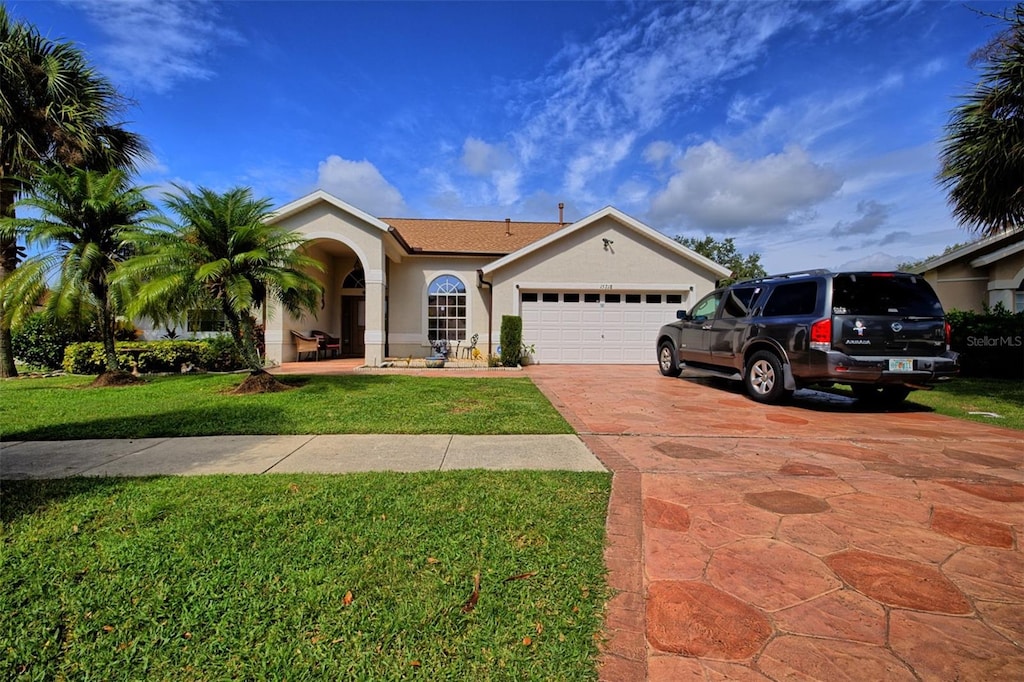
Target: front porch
x,y
415,366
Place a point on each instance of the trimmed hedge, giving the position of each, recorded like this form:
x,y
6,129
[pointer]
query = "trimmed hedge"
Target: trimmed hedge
x,y
215,354
990,343
41,340
511,340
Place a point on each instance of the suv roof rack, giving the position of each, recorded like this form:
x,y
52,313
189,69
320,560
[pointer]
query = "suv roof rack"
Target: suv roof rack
x,y
787,275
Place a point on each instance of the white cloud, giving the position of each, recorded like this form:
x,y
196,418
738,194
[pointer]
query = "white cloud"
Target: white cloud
x,y
482,158
154,44
933,67
626,81
717,191
495,163
599,156
743,108
660,151
360,184
810,118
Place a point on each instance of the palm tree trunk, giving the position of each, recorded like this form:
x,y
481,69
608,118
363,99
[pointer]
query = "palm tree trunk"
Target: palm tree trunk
x,y
241,334
107,320
8,263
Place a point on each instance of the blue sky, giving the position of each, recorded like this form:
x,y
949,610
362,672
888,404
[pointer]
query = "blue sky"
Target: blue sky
x,y
809,131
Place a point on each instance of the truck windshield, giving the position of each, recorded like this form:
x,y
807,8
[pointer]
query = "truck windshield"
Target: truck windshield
x,y
884,295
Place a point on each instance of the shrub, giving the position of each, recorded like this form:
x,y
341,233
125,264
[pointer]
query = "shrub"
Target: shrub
x,y
84,357
215,354
40,341
990,343
219,354
511,340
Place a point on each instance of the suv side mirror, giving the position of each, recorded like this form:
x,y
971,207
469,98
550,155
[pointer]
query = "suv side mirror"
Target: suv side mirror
x,y
681,315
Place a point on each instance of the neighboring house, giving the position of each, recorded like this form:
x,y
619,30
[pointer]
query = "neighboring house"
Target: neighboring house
x,y
593,291
986,272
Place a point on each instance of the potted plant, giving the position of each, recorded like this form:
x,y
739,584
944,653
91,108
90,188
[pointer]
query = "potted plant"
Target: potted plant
x,y
526,354
441,349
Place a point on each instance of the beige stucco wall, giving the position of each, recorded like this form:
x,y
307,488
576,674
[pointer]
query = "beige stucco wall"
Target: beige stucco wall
x,y
963,287
959,287
1007,276
407,300
579,261
337,236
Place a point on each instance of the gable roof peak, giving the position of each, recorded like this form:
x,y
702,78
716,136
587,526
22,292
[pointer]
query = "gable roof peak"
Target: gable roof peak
x,y
321,196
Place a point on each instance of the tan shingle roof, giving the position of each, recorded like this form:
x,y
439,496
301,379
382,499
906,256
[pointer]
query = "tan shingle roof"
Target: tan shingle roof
x,y
468,236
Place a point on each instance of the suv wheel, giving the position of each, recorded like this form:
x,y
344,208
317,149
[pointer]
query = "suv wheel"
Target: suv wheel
x,y
667,360
880,395
763,378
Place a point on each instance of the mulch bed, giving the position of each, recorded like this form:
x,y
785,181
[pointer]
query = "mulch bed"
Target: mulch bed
x,y
260,383
118,378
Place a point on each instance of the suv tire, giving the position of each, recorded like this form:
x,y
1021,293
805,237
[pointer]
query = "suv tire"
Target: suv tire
x,y
888,396
667,362
763,378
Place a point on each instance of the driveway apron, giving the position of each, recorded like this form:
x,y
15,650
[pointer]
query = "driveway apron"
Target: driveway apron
x,y
816,540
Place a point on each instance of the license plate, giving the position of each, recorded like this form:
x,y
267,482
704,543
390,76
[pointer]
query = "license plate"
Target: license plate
x,y
901,365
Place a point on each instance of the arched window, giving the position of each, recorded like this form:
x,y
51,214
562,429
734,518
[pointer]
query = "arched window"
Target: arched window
x,y
446,309
355,279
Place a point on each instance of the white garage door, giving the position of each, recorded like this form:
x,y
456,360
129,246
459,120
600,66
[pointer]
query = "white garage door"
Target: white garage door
x,y
569,327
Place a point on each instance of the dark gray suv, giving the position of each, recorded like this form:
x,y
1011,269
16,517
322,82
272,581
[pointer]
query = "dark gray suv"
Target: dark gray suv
x,y
884,333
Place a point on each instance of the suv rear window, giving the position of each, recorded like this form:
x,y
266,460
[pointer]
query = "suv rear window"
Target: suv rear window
x,y
869,295
796,298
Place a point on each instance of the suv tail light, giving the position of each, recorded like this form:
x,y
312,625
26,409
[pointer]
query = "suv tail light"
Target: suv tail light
x,y
949,335
821,334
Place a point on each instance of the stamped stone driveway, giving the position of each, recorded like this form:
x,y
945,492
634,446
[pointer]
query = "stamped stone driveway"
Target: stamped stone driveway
x,y
812,541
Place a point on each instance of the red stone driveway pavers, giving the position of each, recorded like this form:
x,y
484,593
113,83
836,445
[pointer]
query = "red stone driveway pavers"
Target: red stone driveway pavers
x,y
812,541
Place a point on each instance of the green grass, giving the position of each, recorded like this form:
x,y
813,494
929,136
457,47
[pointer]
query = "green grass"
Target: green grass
x,y
245,577
961,396
65,408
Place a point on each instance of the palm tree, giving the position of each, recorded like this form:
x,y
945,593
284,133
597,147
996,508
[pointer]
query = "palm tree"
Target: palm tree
x,y
88,223
983,153
54,109
223,256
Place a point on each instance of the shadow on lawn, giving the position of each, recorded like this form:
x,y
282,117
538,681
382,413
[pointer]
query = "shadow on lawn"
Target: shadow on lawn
x,y
25,497
258,420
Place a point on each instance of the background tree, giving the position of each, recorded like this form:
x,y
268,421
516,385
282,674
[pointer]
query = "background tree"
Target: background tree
x,y
727,255
909,266
54,109
224,256
88,223
983,150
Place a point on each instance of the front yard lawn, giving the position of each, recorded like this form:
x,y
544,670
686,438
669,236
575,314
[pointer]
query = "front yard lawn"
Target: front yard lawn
x,y
64,408
962,396
300,577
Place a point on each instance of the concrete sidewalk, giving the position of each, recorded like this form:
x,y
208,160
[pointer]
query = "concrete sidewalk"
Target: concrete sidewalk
x,y
332,454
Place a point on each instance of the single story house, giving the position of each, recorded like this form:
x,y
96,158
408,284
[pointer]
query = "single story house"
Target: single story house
x,y
988,271
592,291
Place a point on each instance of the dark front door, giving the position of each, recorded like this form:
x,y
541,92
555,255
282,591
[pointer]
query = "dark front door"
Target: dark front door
x,y
353,324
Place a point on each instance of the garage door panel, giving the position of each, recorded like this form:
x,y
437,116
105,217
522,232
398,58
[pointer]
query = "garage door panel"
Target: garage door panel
x,y
577,331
